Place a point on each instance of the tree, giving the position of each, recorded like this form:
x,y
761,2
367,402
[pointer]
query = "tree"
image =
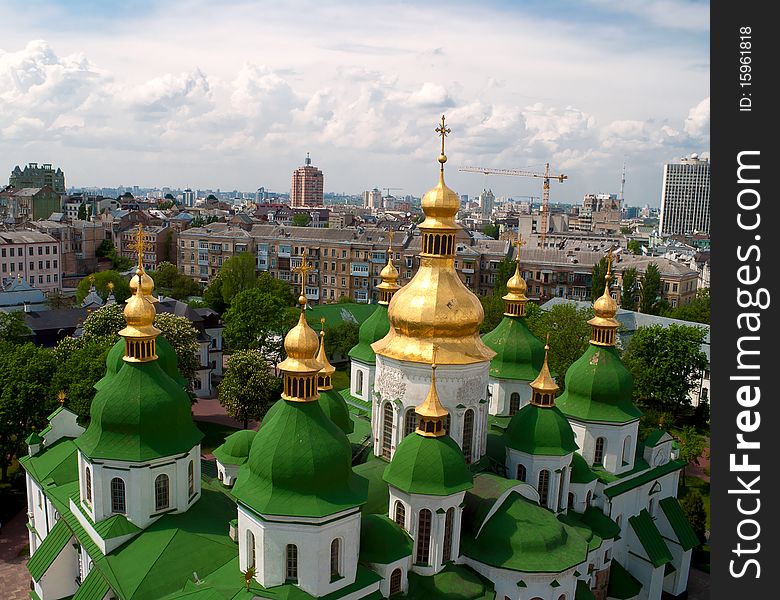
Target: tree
x,y
301,219
666,363
491,230
627,299
81,363
82,216
256,320
104,322
57,300
276,287
179,333
25,396
598,276
212,295
238,273
634,247
691,447
121,286
248,389
651,290
198,222
569,334
698,310
693,506
13,329
168,249
105,249
168,280
341,338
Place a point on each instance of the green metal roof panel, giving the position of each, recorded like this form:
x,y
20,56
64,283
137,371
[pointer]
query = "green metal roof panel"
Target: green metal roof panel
x,y
49,550
599,388
453,582
587,533
643,478
679,522
354,401
115,526
519,354
94,587
583,592
650,538
235,449
622,584
479,500
139,414
300,464
374,328
378,492
428,465
541,431
580,471
58,462
654,437
523,536
363,578
335,408
600,523
382,540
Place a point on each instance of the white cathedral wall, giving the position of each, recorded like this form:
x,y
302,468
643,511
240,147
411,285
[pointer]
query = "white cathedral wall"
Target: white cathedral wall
x,y
633,501
405,385
361,386
501,391
227,473
38,510
559,480
537,584
59,580
619,447
386,571
580,491
313,538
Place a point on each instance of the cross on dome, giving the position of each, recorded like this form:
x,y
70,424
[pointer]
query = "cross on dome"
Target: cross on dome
x,y
442,130
139,245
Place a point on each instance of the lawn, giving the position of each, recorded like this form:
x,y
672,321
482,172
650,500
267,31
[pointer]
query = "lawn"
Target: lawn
x,y
214,434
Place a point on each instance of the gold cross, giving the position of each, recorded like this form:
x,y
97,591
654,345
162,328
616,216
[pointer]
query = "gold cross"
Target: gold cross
x,y
322,323
303,270
609,263
139,245
519,242
61,395
390,235
442,130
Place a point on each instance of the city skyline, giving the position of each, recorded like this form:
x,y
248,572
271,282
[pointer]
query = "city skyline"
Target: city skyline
x,y
189,95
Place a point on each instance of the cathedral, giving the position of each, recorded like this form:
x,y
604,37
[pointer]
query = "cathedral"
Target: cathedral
x,y
482,482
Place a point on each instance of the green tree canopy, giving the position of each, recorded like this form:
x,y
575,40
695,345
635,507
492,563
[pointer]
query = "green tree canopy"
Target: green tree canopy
x,y
256,320
102,278
651,290
82,216
105,249
634,247
598,274
628,292
491,230
693,506
81,363
698,310
666,362
249,388
212,296
13,329
692,446
276,287
238,273
341,338
170,282
301,219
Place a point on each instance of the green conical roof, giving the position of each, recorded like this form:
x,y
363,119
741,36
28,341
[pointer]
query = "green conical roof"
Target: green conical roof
x,y
300,464
235,449
335,408
519,354
382,540
598,388
139,413
428,465
374,328
540,430
166,357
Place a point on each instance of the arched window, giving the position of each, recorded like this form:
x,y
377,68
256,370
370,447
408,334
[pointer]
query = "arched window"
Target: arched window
x,y
395,581
400,513
410,421
521,472
334,559
359,383
587,499
514,403
468,434
571,500
88,484
423,537
161,492
651,507
191,478
447,423
118,495
387,429
219,475
561,481
291,566
619,521
251,550
598,455
562,597
448,523
544,486
627,450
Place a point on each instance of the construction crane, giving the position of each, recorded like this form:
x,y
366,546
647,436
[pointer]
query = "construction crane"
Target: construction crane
x,y
387,190
519,173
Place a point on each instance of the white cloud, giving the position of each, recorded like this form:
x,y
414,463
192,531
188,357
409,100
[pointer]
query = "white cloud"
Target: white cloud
x,y
697,124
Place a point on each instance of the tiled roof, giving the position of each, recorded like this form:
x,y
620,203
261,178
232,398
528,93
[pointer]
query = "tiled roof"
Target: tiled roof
x,y
651,539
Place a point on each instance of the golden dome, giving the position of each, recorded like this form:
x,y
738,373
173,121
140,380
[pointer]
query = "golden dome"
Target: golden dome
x,y
544,383
140,332
322,357
431,413
435,307
389,275
605,308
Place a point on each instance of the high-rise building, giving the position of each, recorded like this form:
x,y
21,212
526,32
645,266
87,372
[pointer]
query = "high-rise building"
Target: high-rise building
x,y
372,199
33,176
486,203
685,199
189,198
307,185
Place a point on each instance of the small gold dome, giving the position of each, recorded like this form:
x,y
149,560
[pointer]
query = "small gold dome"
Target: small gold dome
x,y
606,307
516,286
146,284
544,383
322,357
440,206
389,273
301,344
431,413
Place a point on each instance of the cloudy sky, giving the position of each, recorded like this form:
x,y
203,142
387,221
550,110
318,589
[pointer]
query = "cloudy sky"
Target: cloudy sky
x,y
232,94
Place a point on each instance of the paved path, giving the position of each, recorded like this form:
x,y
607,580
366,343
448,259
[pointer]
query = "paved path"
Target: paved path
x,y
14,578
209,409
698,585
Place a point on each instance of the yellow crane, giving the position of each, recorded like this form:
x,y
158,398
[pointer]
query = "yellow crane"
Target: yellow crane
x,y
520,173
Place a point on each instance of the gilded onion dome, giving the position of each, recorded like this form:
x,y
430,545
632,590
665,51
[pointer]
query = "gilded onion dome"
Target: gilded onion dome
x,y
431,414
515,298
389,276
435,307
605,308
145,282
326,371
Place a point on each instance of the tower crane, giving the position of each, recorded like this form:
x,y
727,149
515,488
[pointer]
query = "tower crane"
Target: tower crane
x,y
387,190
546,176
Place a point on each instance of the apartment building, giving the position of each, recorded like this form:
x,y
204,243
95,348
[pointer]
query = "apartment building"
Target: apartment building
x,y
78,240
307,185
202,250
34,255
159,245
20,205
33,176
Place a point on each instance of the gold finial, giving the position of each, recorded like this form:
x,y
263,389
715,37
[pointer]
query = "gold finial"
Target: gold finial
x,y
434,350
608,276
390,236
303,270
61,395
110,286
139,246
520,242
322,325
605,308
91,279
544,386
442,130
389,275
431,414
324,375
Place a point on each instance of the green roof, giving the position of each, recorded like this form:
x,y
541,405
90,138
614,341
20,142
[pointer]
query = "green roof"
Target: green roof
x,y
580,471
300,464
679,522
114,527
583,592
374,328
540,430
523,536
382,540
56,464
600,523
334,406
574,520
49,550
335,314
646,477
622,584
378,492
139,414
519,354
654,437
94,587
428,465
650,538
33,438
599,388
488,488
235,449
166,358
354,401
453,582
